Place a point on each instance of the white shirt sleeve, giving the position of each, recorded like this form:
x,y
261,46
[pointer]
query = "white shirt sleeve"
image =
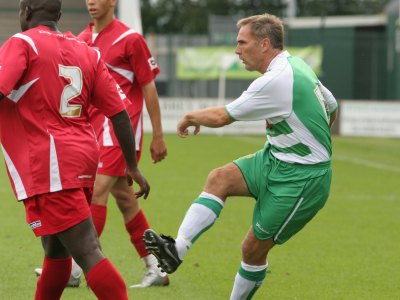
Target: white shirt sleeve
x,y
330,100
268,96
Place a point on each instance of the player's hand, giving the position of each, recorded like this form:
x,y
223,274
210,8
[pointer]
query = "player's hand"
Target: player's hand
x,y
158,149
135,175
182,128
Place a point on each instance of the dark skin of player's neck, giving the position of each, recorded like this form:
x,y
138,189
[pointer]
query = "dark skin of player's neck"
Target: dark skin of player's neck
x,y
41,18
49,24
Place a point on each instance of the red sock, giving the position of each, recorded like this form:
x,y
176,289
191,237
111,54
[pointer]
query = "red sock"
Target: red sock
x,y
99,214
136,228
54,278
105,281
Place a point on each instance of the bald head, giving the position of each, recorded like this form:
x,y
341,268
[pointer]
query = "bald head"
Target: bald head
x,y
36,12
52,6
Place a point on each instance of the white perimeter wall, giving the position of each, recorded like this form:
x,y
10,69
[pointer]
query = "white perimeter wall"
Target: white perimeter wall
x,y
356,118
369,118
172,109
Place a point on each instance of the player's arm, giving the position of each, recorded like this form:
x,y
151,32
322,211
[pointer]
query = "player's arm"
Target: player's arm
x,y
332,118
330,102
14,57
124,133
158,148
213,117
108,99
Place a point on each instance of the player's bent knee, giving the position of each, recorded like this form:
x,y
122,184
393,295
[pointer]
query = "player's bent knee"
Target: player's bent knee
x,y
123,197
218,178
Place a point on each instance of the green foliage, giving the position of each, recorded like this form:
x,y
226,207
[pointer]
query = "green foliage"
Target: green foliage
x,y
340,7
191,16
348,252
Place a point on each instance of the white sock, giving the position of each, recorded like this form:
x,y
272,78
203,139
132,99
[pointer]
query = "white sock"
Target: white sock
x,y
182,246
245,288
76,270
149,260
151,263
200,216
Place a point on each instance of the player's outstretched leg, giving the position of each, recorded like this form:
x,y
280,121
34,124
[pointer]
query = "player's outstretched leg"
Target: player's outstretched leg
x,y
200,217
163,248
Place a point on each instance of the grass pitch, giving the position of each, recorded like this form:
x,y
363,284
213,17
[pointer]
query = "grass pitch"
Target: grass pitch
x,y
349,251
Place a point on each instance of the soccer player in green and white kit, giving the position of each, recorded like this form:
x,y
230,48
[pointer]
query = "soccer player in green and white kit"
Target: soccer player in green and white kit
x,y
290,178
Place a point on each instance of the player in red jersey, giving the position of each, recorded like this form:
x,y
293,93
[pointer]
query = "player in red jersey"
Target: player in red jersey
x,y
48,79
130,62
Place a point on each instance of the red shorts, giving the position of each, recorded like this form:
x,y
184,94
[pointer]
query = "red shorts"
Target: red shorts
x,y
112,162
52,213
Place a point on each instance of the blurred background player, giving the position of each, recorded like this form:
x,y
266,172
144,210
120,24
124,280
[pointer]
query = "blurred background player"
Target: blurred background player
x,y
130,62
290,178
49,80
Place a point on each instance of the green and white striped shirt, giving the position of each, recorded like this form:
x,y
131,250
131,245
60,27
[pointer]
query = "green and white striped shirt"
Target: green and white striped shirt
x,y
296,107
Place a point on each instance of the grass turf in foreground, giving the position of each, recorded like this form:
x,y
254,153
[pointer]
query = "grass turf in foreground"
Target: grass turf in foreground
x,y
349,251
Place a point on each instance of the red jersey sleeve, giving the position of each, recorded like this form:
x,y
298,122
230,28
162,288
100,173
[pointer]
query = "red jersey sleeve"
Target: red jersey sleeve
x,y
107,95
142,62
14,57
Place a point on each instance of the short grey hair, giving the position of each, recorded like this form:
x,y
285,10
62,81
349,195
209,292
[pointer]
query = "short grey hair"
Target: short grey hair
x,y
265,26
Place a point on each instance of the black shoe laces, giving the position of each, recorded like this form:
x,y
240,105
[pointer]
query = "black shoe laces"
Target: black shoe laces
x,y
168,238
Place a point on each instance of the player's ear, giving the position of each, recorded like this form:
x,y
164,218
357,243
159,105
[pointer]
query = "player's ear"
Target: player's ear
x,y
28,13
59,16
265,43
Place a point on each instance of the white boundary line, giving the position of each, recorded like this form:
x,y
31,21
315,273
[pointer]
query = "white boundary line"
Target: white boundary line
x,y
367,163
358,161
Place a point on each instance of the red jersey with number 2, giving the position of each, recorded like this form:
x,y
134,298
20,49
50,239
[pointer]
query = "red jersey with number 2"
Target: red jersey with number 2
x,y
50,79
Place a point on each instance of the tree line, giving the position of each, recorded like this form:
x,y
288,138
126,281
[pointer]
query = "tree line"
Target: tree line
x,y
191,16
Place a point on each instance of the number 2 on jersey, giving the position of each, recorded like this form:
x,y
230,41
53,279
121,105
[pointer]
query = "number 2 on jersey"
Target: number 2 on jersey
x,y
70,91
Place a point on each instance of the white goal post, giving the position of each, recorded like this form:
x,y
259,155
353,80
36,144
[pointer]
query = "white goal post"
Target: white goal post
x,y
129,13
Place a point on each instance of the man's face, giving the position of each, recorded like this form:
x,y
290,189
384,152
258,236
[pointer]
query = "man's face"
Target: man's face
x,y
249,49
98,9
